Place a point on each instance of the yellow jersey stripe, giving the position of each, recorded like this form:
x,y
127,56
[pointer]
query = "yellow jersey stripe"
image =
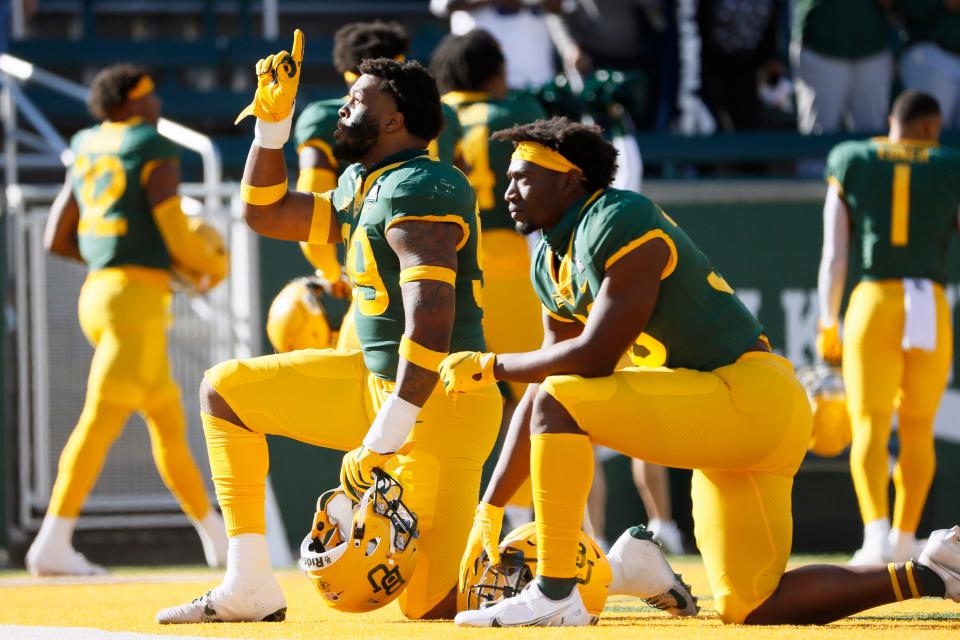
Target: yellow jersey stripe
x,y
647,237
441,218
900,223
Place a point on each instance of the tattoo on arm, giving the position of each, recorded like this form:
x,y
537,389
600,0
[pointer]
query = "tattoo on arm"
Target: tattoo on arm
x,y
429,306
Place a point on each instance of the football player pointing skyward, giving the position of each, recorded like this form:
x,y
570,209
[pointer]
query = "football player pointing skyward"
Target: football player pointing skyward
x,y
410,226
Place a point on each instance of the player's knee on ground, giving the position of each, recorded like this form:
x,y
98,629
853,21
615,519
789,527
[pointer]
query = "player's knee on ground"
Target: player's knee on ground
x,y
549,416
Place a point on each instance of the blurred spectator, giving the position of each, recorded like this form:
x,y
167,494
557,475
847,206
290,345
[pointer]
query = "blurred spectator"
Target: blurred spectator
x,y
518,25
931,63
738,55
601,34
842,65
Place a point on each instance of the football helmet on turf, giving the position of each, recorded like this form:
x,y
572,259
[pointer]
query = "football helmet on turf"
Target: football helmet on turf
x,y
298,318
828,399
361,560
219,264
487,583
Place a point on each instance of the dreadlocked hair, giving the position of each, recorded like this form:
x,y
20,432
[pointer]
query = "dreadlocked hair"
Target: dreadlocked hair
x,y
414,91
581,144
466,62
108,91
358,41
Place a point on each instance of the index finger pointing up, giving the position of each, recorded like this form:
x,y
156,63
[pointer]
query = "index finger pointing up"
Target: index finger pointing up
x,y
297,51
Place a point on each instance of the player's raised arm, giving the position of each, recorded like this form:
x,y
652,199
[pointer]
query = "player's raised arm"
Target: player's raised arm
x,y
60,232
270,208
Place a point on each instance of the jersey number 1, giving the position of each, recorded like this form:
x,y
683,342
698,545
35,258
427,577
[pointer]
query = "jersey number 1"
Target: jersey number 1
x,y
900,212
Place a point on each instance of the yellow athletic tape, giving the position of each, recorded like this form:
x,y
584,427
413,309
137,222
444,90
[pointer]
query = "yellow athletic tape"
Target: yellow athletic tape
x,y
143,87
911,580
420,355
892,569
544,156
261,196
428,272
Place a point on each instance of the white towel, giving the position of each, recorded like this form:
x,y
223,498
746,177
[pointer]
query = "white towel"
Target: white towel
x,y
920,311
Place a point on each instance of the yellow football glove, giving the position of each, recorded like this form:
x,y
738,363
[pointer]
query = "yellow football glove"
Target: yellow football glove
x,y
278,77
484,536
467,370
356,470
829,346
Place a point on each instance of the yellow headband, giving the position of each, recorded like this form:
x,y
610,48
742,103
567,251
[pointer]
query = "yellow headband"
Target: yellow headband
x,y
143,87
351,76
544,156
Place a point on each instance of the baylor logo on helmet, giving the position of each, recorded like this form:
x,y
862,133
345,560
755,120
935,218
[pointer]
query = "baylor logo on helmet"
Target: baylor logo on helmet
x,y
382,578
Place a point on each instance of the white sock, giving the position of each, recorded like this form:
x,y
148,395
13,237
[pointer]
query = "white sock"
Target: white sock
x,y
213,537
876,533
55,532
248,561
903,545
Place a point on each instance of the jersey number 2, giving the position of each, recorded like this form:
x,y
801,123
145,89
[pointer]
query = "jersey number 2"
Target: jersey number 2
x,y
103,181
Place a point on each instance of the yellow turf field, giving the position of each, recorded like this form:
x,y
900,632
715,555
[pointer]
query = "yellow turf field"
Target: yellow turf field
x,y
128,599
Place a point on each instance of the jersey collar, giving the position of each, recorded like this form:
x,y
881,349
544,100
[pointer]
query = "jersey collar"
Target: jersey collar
x,y
396,158
558,237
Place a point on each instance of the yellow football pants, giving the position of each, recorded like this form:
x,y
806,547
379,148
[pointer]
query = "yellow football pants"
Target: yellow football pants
x,y
124,313
880,377
328,398
511,309
743,428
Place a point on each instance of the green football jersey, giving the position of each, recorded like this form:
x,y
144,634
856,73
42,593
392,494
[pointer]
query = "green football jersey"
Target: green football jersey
x,y
111,163
318,121
697,322
902,199
482,115
841,28
410,185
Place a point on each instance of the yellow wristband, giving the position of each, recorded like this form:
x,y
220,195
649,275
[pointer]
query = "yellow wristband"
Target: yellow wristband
x,y
911,580
262,196
892,569
420,355
429,272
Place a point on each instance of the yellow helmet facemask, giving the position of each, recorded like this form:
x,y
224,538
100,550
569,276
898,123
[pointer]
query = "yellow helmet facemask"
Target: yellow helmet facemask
x,y
361,560
488,583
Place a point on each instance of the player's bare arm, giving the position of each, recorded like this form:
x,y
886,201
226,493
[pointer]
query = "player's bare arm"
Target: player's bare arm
x,y
288,218
429,305
622,309
60,232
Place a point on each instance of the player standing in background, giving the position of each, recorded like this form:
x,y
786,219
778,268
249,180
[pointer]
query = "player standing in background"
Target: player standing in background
x,y
119,213
899,197
472,77
613,270
410,225
313,134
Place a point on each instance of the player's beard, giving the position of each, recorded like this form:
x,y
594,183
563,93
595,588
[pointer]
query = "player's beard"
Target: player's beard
x,y
525,228
357,139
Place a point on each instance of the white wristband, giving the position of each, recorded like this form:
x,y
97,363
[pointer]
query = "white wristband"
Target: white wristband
x,y
272,135
393,424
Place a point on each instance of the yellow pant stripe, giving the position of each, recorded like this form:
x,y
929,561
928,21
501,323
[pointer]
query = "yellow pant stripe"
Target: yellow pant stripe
x,y
428,272
912,580
892,569
322,218
262,196
420,355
